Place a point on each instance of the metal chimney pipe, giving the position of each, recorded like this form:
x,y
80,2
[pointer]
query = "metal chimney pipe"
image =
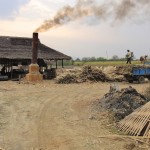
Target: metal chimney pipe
x,y
35,42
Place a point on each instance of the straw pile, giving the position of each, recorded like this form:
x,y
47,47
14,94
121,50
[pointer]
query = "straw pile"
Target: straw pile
x,y
88,73
92,74
96,74
67,78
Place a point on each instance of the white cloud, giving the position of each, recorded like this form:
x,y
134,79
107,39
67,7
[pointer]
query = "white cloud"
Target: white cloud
x,y
41,10
9,9
35,10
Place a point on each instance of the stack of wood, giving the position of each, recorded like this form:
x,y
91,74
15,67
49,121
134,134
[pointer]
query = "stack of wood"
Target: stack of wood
x,y
137,123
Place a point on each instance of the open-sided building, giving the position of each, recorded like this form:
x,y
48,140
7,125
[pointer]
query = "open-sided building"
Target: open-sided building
x,y
16,51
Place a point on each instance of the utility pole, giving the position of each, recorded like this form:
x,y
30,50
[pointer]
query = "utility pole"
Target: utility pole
x,y
107,54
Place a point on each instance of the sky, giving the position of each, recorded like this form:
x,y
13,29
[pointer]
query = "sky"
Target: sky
x,y
89,36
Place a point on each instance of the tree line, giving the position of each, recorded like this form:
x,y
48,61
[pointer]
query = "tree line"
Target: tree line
x,y
92,59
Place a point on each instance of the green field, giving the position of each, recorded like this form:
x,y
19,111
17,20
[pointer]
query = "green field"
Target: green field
x,y
104,63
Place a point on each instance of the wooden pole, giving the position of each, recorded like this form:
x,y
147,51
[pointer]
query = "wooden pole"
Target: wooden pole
x,y
11,69
56,63
62,63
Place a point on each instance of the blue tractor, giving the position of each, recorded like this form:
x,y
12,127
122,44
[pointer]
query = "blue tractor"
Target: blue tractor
x,y
138,74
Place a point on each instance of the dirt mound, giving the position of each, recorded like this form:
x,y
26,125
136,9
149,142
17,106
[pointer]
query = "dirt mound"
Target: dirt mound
x,y
121,103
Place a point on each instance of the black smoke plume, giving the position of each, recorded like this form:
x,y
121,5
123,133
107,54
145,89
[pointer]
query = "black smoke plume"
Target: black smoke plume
x,y
117,10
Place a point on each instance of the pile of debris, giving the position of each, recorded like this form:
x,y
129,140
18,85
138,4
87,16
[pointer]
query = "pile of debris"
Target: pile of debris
x,y
95,74
122,70
67,78
92,74
121,103
115,73
89,73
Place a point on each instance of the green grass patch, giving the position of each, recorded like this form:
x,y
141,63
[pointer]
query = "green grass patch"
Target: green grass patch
x,y
104,63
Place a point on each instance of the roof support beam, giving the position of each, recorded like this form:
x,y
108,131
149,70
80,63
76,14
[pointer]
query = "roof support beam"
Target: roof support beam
x,y
56,64
62,63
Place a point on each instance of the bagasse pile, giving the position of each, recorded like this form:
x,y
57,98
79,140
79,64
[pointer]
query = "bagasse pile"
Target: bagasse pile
x,y
67,78
87,73
121,103
94,74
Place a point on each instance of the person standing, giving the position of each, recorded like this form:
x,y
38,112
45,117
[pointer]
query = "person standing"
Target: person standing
x,y
129,57
143,59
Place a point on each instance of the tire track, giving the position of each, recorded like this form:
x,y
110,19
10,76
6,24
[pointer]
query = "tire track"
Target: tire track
x,y
41,122
58,105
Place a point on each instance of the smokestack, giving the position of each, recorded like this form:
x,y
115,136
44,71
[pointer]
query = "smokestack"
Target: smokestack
x,y
34,74
35,42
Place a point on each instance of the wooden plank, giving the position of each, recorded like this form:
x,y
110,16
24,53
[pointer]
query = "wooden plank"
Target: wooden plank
x,y
135,122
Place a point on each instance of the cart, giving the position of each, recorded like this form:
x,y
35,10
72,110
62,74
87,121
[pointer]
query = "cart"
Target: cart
x,y
138,74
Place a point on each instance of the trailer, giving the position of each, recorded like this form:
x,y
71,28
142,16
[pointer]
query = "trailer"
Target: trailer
x,y
138,74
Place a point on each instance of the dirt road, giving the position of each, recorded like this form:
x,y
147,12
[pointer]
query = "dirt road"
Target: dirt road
x,y
49,116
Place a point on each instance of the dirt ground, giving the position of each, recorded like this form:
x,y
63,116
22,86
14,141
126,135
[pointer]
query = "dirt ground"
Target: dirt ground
x,y
49,116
